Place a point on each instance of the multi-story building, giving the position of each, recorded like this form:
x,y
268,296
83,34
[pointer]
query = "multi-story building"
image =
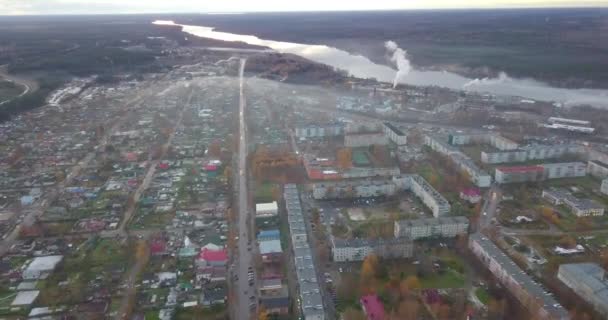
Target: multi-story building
x,y
479,177
318,131
531,152
597,169
394,134
429,196
445,227
357,249
588,280
517,174
604,187
353,188
356,188
579,207
311,301
564,170
497,141
530,294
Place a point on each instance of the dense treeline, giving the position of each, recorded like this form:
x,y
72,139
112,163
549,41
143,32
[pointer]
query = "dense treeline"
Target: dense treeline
x,y
30,100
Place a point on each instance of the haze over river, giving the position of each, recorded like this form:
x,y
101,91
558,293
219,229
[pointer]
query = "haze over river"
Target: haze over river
x,y
361,67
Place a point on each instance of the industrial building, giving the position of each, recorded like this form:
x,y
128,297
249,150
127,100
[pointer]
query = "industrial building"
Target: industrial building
x,y
357,249
446,227
529,293
588,280
394,134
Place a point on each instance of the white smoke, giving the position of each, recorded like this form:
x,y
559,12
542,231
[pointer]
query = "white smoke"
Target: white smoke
x,y
502,78
399,57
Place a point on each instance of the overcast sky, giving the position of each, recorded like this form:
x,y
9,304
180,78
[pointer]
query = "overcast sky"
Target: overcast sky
x,y
19,7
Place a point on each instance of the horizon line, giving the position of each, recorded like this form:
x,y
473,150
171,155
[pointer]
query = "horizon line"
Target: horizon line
x,y
595,6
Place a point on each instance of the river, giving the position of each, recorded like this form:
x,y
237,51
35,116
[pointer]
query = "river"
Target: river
x,y
362,67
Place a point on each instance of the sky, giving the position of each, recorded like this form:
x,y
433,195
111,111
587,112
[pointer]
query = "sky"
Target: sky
x,y
23,7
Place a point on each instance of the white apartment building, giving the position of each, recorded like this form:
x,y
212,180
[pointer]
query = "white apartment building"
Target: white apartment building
x,y
394,134
353,188
597,169
588,280
530,294
445,227
318,131
479,177
357,249
429,196
564,170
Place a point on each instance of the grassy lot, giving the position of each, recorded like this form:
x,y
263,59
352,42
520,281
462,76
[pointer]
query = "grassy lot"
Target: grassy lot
x,y
264,192
482,294
151,220
216,312
99,261
449,279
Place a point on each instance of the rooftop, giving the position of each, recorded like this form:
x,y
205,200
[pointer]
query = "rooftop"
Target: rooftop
x,y
519,276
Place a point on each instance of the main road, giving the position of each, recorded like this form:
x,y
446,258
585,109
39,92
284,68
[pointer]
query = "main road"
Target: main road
x,y
243,261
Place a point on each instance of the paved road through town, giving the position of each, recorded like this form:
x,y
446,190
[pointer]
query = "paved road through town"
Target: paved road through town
x,y
244,258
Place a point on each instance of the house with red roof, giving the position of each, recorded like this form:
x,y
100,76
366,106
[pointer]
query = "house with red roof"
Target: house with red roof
x,y
212,258
373,307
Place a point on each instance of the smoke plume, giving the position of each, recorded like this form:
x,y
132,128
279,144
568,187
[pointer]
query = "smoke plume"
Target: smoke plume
x,y
399,57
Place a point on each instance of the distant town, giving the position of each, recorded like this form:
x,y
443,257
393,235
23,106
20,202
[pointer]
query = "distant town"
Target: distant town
x,y
216,191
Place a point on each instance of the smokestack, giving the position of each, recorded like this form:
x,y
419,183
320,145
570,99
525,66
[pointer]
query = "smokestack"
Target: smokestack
x,y
399,57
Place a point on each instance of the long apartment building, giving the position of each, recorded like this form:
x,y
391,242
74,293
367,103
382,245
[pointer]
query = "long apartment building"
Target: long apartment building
x,y
579,207
478,176
319,130
311,301
497,141
394,134
429,196
357,249
589,281
519,174
527,291
359,188
445,227
353,188
531,152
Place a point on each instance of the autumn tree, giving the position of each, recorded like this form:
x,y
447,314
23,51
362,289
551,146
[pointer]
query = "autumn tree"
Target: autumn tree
x,y
567,242
369,271
412,282
408,309
214,149
496,309
344,158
